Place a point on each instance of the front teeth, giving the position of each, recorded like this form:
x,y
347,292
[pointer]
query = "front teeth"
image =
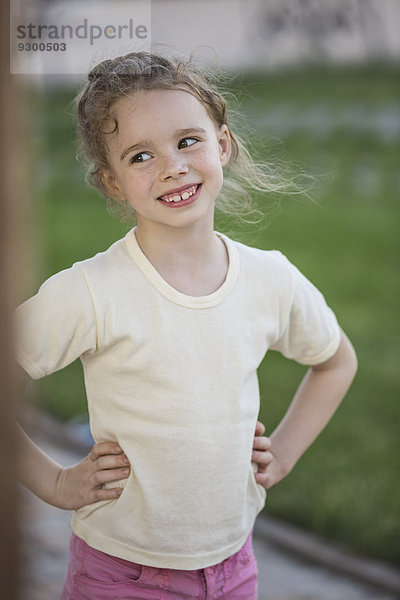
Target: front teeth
x,y
184,196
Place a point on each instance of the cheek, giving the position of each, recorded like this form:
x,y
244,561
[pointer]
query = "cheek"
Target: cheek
x,y
209,162
139,181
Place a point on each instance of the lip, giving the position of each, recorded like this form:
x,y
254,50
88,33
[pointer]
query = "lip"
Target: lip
x,y
178,190
181,203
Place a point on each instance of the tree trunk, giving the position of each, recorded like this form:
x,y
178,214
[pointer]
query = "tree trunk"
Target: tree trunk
x,y
9,197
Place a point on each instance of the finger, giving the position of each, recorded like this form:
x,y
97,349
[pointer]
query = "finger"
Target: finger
x,y
103,448
111,462
262,470
263,479
262,458
100,477
108,494
260,428
261,443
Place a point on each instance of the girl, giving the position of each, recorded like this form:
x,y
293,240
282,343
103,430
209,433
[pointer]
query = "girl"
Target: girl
x,y
171,323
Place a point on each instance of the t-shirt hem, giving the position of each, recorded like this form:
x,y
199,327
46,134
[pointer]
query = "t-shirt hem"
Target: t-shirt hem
x,y
28,366
327,353
151,559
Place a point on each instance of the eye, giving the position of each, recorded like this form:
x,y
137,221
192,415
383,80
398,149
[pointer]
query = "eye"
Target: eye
x,y
139,158
186,142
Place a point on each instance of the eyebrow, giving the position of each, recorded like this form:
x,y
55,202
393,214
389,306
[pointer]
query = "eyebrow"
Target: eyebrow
x,y
145,143
138,146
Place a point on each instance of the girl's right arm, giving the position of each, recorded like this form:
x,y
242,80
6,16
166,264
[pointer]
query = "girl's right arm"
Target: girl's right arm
x,y
72,487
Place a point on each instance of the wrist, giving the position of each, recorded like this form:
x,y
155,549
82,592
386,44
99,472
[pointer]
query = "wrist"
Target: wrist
x,y
284,456
52,490
285,466
59,495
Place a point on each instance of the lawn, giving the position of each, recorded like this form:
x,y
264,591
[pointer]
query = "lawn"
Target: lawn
x,y
342,126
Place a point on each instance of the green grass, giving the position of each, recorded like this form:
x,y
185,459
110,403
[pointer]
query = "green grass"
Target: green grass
x,y
347,243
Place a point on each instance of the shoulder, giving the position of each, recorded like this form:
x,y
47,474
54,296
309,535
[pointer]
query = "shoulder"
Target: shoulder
x,y
271,270
257,255
77,281
104,263
271,264
105,272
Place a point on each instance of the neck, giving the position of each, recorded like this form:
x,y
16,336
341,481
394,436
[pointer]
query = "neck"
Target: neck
x,y
183,248
193,259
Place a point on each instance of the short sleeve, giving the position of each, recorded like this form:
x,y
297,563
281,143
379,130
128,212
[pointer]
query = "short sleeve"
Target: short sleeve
x,y
310,333
57,325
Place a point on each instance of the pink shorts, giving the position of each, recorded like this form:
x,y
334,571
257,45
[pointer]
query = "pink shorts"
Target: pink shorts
x,y
94,575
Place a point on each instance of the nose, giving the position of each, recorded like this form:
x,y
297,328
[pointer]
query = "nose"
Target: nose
x,y
173,166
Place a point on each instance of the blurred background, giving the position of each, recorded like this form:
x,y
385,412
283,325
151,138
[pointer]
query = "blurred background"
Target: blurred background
x,y
318,86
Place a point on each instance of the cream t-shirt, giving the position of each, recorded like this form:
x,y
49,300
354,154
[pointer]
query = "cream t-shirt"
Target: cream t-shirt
x,y
172,378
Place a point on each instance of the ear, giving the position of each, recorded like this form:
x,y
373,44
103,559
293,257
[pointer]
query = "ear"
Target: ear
x,y
225,144
112,186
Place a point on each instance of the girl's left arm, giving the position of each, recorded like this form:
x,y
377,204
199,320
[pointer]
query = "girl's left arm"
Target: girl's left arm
x,y
317,398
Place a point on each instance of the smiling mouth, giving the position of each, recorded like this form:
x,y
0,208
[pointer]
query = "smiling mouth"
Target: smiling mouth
x,y
181,196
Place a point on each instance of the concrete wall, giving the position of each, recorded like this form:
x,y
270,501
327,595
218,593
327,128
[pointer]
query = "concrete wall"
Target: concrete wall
x,y
269,33
241,33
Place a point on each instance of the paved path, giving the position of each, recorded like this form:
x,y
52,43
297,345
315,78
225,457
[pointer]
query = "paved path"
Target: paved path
x,y
46,532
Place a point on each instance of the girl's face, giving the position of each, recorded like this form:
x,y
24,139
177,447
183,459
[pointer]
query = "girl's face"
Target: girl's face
x,y
166,158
